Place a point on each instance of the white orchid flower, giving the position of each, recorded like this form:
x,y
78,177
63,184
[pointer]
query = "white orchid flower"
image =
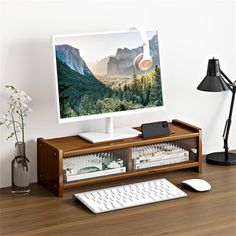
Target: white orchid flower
x,y
18,108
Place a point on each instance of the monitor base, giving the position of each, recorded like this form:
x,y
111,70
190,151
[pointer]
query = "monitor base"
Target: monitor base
x,y
102,136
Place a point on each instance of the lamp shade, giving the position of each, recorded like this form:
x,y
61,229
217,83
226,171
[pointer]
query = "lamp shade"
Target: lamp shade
x,y
213,82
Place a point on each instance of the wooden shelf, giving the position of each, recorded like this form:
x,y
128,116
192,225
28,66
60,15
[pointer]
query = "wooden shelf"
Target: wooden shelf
x,y
52,151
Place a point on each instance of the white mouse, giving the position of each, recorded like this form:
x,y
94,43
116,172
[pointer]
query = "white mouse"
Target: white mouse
x,y
200,185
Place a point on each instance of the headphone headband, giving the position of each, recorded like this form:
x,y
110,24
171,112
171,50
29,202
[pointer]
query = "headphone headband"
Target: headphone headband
x,y
145,40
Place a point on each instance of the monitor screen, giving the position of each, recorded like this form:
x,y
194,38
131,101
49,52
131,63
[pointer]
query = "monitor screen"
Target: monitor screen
x,y
102,74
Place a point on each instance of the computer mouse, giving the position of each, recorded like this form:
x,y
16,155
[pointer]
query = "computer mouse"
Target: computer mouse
x,y
199,185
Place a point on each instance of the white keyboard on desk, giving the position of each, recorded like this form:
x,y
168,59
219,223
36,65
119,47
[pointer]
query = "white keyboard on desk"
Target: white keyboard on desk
x,y
116,198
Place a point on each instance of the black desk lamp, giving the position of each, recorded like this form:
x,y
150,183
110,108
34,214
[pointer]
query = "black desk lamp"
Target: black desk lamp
x,y
217,81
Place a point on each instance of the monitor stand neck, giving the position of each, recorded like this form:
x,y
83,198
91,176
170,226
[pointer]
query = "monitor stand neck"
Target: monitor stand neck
x,y
109,134
109,125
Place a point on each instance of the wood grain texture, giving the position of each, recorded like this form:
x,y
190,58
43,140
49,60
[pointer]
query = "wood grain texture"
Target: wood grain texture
x,y
49,169
210,213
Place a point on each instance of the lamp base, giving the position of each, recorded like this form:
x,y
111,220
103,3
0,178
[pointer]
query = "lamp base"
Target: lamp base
x,y
218,158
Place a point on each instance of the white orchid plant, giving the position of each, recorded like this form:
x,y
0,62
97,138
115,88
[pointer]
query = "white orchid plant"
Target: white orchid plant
x,y
18,110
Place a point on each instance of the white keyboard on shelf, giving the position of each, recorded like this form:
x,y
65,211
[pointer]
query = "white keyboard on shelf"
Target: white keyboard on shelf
x,y
116,198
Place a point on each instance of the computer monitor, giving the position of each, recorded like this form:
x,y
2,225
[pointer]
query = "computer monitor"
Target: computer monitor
x,y
102,75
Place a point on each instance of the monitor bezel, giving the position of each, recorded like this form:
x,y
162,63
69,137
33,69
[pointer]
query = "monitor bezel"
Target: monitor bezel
x,y
103,115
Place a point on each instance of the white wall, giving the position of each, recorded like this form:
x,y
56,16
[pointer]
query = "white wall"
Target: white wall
x,y
190,32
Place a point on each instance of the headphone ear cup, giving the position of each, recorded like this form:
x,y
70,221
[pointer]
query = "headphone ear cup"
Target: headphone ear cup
x,y
137,61
142,63
145,63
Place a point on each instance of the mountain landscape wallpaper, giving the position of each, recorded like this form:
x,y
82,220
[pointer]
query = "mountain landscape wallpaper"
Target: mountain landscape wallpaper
x,y
96,74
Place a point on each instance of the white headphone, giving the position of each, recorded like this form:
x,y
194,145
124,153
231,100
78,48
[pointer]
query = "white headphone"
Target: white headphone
x,y
144,60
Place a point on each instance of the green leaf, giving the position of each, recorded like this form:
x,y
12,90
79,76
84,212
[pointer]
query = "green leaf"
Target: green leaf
x,y
11,87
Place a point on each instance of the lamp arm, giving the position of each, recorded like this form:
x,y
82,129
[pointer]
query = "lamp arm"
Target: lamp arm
x,y
227,78
228,123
